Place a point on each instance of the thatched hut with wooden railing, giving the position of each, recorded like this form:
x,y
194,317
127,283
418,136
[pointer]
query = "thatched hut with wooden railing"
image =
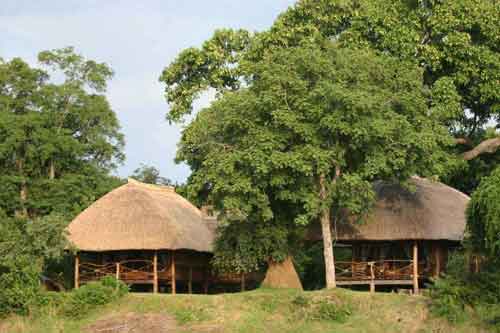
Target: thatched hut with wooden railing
x,y
145,235
405,239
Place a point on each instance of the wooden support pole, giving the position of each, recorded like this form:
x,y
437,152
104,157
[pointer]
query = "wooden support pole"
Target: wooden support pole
x,y
172,270
372,278
415,268
117,273
77,270
190,281
243,282
437,259
155,272
205,282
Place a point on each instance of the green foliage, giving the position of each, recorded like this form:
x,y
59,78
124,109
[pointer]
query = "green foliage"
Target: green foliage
x,y
150,175
483,216
460,294
58,141
19,286
92,295
258,153
25,247
324,309
245,246
454,43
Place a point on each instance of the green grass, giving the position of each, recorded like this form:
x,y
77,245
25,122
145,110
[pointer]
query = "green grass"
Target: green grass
x,y
263,310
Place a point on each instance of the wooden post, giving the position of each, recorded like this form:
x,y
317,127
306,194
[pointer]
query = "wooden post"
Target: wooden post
x,y
415,268
243,282
155,272
190,281
77,270
437,259
372,278
205,282
172,270
117,273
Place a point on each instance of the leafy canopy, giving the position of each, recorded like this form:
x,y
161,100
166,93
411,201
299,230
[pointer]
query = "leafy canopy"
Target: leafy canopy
x,y
455,43
58,140
307,112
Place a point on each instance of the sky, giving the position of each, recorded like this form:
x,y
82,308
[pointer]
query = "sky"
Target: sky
x,y
137,39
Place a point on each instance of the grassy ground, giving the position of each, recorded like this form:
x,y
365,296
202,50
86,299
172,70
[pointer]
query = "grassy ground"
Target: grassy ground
x,y
255,311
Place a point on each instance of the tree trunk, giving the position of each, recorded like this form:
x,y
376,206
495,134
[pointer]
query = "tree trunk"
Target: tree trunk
x,y
327,238
52,169
23,191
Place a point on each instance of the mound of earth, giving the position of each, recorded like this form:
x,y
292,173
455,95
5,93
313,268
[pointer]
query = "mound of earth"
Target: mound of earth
x,y
282,275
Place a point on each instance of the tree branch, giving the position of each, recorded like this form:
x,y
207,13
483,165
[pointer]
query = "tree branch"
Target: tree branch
x,y
487,146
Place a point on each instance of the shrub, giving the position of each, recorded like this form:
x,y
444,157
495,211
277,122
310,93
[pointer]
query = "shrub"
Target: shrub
x,y
19,287
460,292
93,294
324,309
332,312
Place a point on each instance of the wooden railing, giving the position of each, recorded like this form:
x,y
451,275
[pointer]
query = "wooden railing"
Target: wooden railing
x,y
376,270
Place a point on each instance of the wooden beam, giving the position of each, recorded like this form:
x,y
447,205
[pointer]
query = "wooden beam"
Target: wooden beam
x,y
415,268
77,270
190,281
172,270
155,272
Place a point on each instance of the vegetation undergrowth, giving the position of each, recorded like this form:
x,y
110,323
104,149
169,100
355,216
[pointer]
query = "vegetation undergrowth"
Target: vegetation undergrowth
x,y
461,296
262,310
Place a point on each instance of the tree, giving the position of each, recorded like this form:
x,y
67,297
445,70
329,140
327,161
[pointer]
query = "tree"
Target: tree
x,y
483,216
56,139
25,248
313,127
455,43
150,175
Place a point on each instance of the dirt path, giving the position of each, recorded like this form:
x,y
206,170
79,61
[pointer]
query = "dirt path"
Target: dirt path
x,y
143,323
134,323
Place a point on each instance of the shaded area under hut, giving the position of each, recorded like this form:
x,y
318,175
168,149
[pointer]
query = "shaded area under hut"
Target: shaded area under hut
x,y
406,238
151,238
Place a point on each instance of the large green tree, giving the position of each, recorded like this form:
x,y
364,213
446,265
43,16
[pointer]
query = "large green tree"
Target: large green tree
x,y
313,127
456,43
59,137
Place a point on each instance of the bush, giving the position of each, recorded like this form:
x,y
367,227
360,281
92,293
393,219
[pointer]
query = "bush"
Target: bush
x,y
459,292
19,287
325,309
92,295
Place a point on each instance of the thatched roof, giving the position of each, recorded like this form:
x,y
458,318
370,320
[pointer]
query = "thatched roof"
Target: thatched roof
x,y
138,216
433,211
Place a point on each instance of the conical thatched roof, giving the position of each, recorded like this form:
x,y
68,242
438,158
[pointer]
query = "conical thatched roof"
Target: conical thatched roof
x,y
138,216
434,211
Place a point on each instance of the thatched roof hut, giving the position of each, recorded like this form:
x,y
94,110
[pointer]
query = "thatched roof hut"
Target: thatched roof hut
x,y
138,216
433,211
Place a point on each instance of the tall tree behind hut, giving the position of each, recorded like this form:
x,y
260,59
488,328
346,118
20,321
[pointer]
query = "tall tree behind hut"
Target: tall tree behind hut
x,y
59,137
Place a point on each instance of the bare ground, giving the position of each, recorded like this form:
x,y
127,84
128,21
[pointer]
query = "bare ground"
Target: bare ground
x,y
143,323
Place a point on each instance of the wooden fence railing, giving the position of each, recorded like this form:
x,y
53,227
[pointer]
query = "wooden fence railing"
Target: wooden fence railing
x,y
376,270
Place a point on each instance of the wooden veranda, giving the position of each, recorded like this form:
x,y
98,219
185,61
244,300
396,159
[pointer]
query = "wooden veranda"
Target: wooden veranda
x,y
165,268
